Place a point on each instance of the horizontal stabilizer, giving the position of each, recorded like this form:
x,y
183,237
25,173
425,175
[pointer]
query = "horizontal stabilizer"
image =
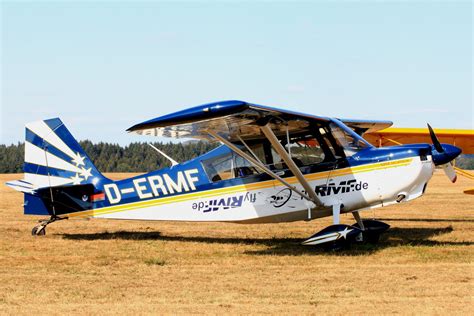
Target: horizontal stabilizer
x,y
22,186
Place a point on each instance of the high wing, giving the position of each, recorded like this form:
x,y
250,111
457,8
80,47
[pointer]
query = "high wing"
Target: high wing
x,y
463,139
238,119
230,118
362,127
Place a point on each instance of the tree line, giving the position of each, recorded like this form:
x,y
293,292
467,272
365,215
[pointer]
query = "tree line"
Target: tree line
x,y
138,157
107,157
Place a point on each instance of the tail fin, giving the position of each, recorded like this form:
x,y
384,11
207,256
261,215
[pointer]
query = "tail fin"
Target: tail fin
x,y
53,158
59,176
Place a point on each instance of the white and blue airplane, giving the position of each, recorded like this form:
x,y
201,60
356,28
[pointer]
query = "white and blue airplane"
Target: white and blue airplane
x,y
273,166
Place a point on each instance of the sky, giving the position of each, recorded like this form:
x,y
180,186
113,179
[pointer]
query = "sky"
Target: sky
x,y
105,66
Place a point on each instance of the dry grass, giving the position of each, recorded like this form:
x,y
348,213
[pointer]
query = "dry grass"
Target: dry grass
x,y
422,265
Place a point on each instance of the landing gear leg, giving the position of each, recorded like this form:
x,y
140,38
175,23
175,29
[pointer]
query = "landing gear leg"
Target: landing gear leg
x,y
360,225
40,229
358,219
336,214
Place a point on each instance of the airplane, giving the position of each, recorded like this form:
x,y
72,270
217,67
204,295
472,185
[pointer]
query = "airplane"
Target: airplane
x,y
273,165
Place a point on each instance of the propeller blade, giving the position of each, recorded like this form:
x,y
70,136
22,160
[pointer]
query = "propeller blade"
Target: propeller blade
x,y
434,139
444,157
448,169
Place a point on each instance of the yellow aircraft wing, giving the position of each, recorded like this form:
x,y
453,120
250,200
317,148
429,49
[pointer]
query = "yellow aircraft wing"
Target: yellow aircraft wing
x,y
462,138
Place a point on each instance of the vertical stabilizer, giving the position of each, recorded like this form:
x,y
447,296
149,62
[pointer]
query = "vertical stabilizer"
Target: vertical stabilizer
x,y
53,158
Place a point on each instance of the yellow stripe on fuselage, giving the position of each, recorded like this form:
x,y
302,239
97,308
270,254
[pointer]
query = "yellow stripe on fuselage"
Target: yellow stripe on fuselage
x,y
239,188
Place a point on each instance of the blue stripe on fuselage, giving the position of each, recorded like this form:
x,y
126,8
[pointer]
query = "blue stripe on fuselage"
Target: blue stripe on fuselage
x,y
374,155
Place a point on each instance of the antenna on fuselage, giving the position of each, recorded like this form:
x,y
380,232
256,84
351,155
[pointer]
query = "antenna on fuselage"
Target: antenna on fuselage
x,y
173,162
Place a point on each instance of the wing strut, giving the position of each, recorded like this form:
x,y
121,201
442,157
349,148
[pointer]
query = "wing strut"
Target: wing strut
x,y
173,162
290,163
258,164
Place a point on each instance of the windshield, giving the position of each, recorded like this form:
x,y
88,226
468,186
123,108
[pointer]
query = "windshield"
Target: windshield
x,y
349,143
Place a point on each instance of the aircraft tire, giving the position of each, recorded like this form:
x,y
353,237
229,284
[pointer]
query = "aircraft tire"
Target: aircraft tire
x,y
373,230
38,231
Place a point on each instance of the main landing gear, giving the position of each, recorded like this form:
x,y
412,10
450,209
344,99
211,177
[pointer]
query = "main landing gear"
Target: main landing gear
x,y
338,236
40,229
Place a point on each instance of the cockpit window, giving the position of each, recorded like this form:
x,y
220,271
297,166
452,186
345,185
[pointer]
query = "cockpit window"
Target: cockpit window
x,y
228,166
319,144
242,167
305,150
219,168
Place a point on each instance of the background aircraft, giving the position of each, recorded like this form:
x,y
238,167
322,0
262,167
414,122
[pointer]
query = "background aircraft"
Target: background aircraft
x,y
462,138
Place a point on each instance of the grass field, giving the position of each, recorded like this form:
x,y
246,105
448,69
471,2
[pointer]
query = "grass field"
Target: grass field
x,y
423,264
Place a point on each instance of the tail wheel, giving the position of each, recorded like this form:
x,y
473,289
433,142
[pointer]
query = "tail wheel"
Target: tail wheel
x,y
38,231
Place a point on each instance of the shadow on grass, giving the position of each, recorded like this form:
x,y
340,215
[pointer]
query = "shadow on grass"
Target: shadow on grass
x,y
395,237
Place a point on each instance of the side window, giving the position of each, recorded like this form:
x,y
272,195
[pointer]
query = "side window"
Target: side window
x,y
230,166
243,167
277,161
219,168
259,151
306,151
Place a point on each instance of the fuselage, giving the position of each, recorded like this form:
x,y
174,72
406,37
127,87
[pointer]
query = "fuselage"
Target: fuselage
x,y
373,177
